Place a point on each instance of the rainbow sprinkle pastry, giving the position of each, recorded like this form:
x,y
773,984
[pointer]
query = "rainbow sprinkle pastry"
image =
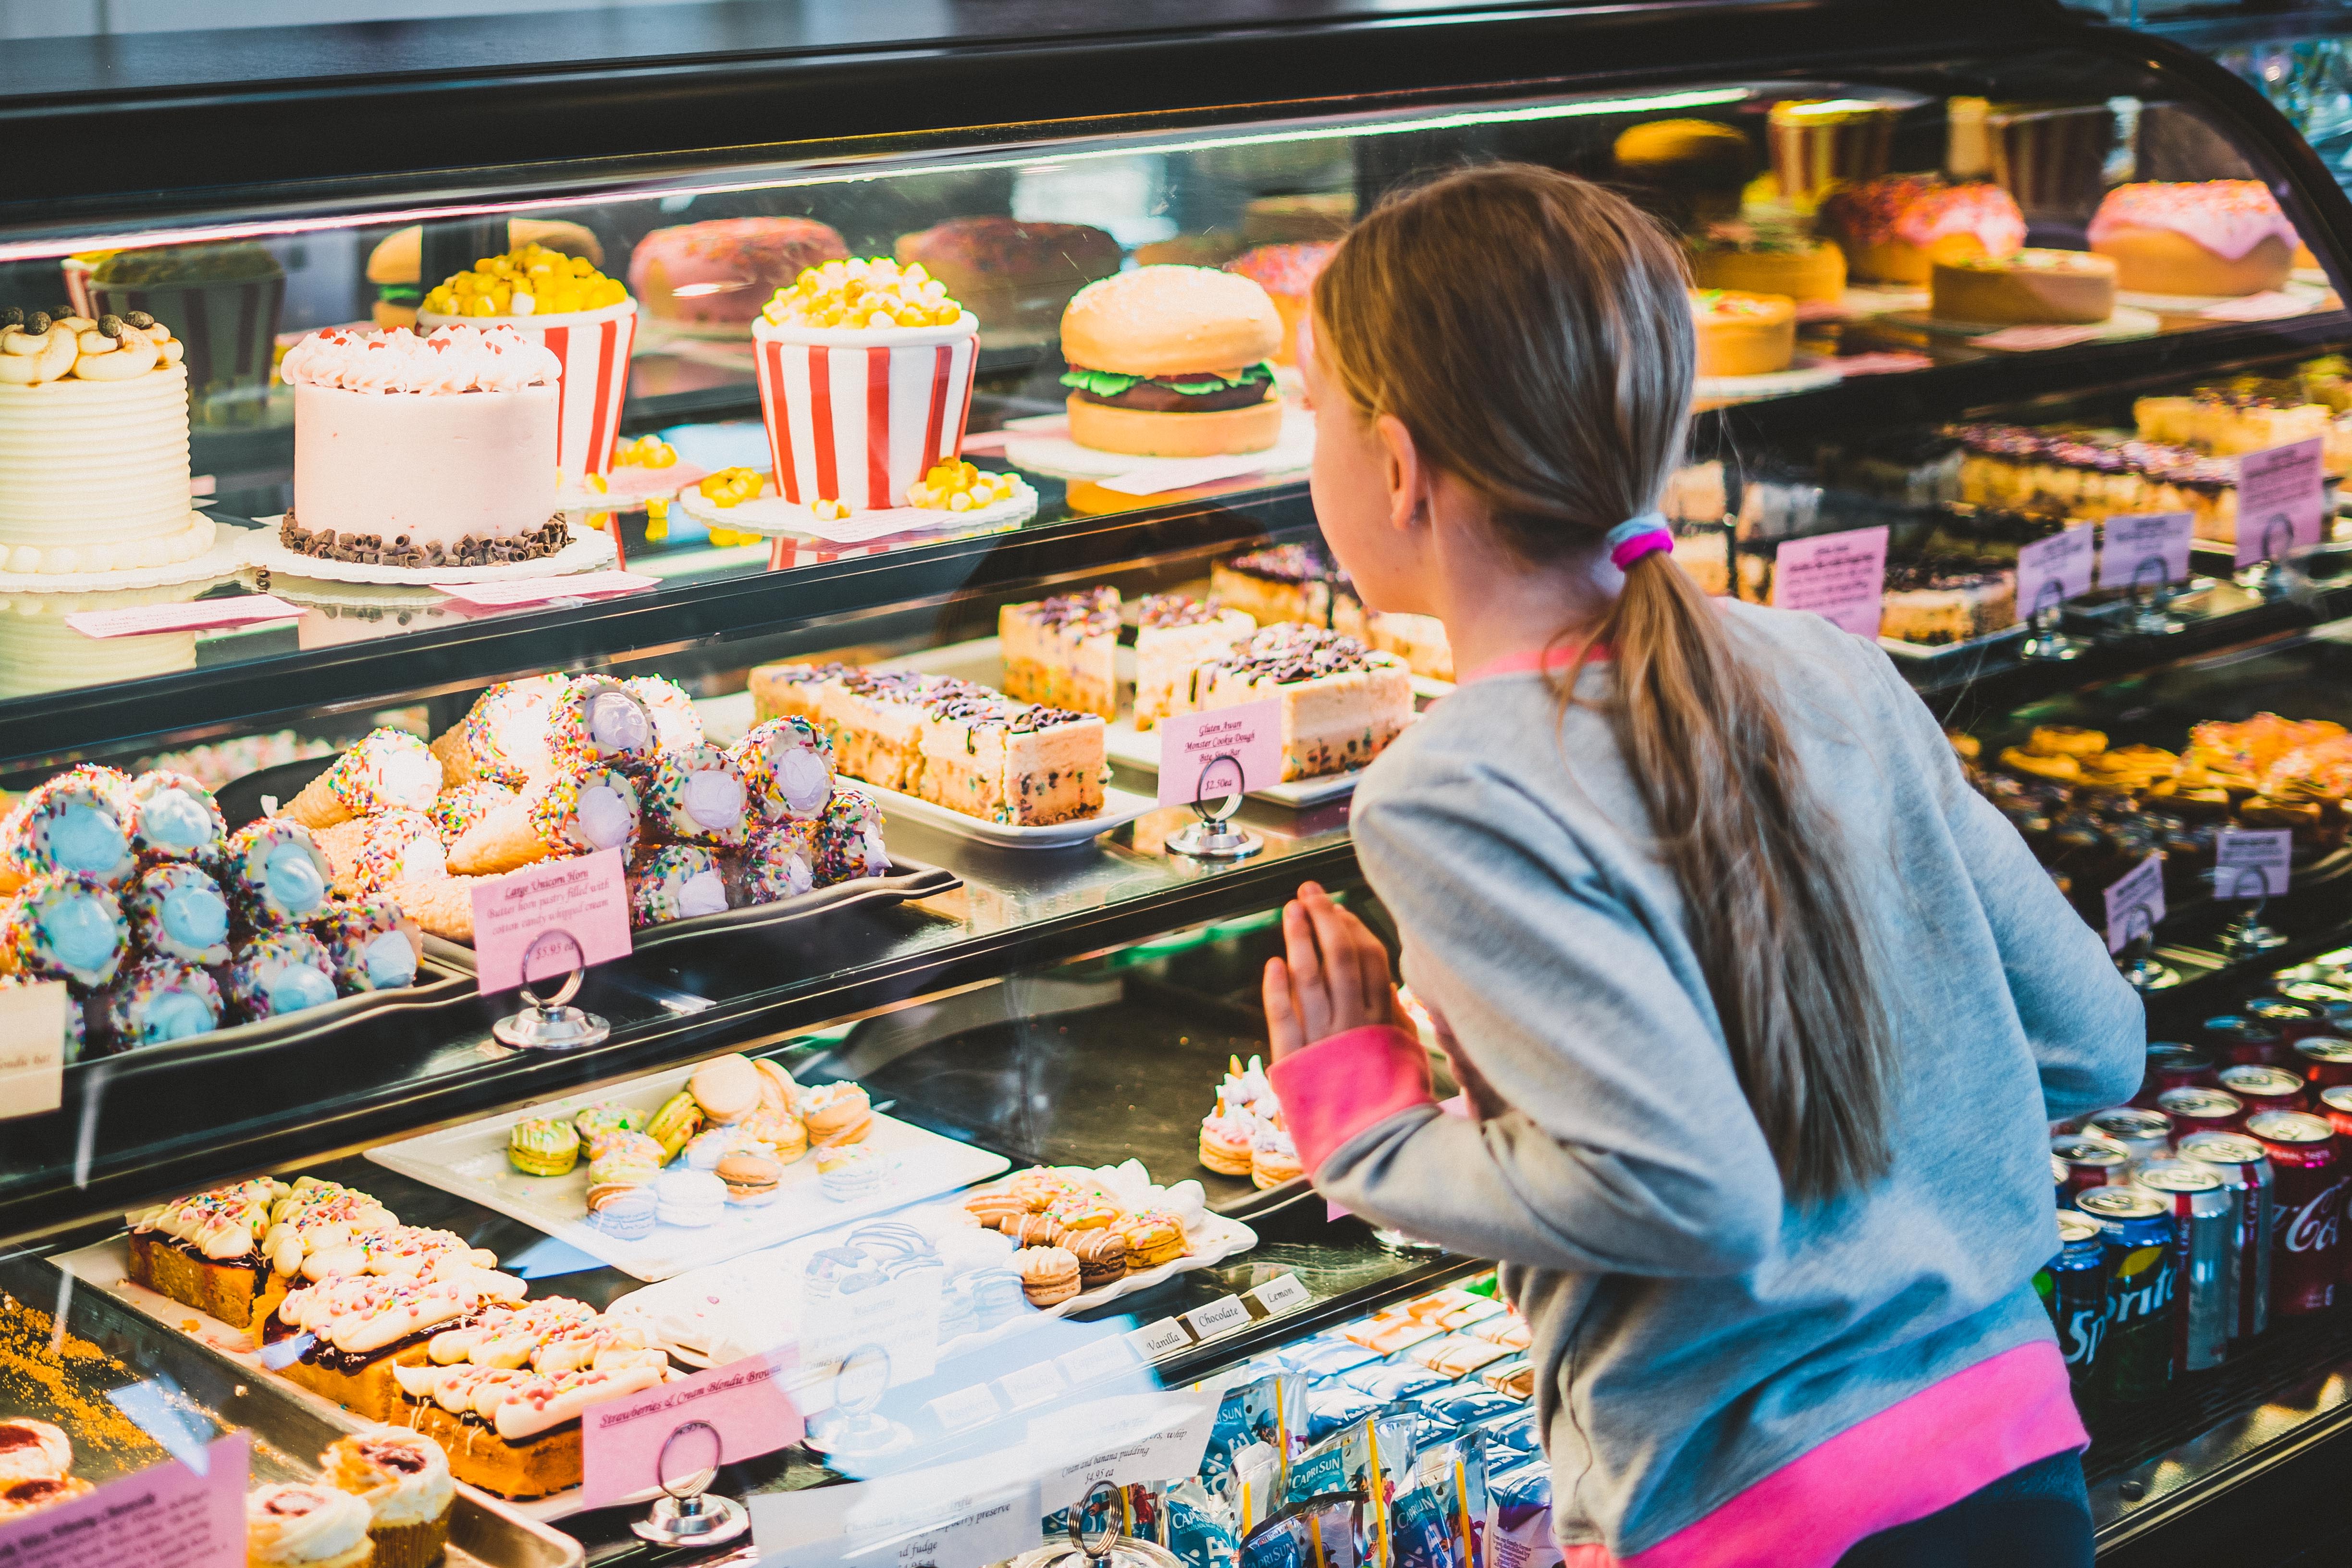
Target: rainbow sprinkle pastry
x,y
173,817
787,767
280,971
275,872
64,928
779,863
697,796
71,824
371,946
460,806
159,1000
675,882
849,840
177,911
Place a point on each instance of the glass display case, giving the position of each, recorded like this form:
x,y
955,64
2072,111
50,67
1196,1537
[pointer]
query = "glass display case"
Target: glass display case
x,y
711,460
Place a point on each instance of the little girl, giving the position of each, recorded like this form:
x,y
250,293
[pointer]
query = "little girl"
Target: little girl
x,y
1761,1011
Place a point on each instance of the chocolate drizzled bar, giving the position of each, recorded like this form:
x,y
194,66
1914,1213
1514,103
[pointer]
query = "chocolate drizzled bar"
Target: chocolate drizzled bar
x,y
2086,476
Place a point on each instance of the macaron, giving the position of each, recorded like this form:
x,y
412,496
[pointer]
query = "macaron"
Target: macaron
x,y
679,1119
847,1174
780,1130
1153,1237
727,1088
544,1146
689,1197
1048,1275
750,1178
1101,1255
627,1214
779,1091
837,1112
596,1120
707,1148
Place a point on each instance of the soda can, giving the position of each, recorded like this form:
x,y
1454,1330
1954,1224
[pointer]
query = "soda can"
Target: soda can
x,y
2332,1000
2203,1220
2147,1134
2073,1286
2263,1088
2201,1110
2336,1108
2326,1062
2310,1198
2293,1020
2239,1041
2091,1162
2172,1064
2058,1175
2135,1356
2246,1170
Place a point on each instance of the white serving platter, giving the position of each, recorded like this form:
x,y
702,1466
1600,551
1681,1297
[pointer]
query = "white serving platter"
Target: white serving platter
x,y
1140,749
774,517
1041,443
1120,808
470,1160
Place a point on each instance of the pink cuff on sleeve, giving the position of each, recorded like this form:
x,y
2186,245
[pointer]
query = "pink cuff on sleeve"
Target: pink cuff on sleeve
x,y
1339,1086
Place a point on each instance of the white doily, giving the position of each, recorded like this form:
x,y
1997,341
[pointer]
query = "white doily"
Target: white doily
x,y
588,552
772,516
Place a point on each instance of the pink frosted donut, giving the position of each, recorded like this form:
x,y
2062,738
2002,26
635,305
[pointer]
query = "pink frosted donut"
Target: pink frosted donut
x,y
2197,237
719,273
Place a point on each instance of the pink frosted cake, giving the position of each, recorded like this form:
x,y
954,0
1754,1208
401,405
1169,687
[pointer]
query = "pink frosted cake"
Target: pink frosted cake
x,y
713,276
424,452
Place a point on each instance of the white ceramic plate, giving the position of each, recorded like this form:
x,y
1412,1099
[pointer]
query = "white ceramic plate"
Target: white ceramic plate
x,y
1120,808
588,552
1042,442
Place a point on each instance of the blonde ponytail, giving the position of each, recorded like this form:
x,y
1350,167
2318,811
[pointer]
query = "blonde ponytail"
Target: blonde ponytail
x,y
1532,331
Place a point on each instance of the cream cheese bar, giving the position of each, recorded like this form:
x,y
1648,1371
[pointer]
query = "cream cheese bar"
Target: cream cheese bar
x,y
2013,468
1062,652
1000,760
1341,703
1173,634
1284,582
875,720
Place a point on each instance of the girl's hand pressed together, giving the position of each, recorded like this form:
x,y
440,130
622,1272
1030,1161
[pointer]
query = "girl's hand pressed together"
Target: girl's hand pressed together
x,y
1334,979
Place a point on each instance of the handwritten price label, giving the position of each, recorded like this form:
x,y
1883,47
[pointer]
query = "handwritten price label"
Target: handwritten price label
x,y
551,919
1221,752
1842,577
2136,903
2145,550
168,1516
743,1403
2054,570
2251,864
2281,499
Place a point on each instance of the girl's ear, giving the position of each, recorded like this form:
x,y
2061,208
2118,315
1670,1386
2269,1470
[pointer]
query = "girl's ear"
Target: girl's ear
x,y
1407,474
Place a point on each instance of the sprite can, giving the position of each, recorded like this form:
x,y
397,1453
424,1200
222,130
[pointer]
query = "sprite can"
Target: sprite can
x,y
2137,1358
2073,1286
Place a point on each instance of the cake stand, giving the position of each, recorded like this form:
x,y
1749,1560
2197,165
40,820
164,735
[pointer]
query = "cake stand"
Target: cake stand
x,y
588,552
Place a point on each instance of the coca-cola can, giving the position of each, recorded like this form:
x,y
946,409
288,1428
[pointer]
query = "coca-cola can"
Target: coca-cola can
x,y
2172,1064
2239,1041
2263,1088
2091,1162
2332,1000
2293,1020
2335,1108
2246,1170
2202,1235
2310,1198
2147,1134
2201,1110
2326,1062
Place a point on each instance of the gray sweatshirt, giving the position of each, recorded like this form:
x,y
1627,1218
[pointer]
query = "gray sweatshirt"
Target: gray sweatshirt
x,y
1692,1332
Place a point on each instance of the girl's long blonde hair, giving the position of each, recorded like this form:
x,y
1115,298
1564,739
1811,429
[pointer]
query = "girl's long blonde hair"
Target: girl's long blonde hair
x,y
1532,330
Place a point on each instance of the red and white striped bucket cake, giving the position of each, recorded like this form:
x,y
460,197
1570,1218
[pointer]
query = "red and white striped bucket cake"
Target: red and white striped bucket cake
x,y
858,414
594,348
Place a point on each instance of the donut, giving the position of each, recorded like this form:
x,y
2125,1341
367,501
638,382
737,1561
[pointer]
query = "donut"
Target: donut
x,y
715,276
1894,230
2196,238
1011,273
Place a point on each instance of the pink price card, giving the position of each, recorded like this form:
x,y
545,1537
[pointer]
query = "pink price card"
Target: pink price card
x,y
1842,577
2136,903
166,1516
548,589
2145,550
2281,500
548,919
195,616
1220,752
2054,570
741,1408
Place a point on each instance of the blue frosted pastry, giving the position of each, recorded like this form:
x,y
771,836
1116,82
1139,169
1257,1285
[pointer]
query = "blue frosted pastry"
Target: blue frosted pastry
x,y
178,911
277,973
275,873
675,882
371,946
173,817
72,824
849,840
64,928
159,1000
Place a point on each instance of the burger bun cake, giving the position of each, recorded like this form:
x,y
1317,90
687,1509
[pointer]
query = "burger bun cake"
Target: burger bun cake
x,y
1171,361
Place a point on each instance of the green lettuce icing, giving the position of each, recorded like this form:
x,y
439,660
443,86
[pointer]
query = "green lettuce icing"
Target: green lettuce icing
x,y
1111,383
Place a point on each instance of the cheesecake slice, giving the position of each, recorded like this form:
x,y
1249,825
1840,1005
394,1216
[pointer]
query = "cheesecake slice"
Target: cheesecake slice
x,y
1026,765
1281,584
1419,640
1342,703
1173,634
875,720
1062,652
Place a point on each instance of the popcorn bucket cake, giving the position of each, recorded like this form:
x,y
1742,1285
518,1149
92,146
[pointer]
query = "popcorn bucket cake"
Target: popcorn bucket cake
x,y
581,317
865,376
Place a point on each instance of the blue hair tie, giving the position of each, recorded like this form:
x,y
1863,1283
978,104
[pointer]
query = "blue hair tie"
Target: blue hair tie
x,y
1636,537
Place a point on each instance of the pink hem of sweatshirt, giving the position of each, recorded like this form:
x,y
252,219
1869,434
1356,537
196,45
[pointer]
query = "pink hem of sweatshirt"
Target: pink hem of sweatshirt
x,y
1913,1458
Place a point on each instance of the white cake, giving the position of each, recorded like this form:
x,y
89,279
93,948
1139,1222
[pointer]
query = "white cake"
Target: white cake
x,y
1172,636
1341,703
1064,651
94,449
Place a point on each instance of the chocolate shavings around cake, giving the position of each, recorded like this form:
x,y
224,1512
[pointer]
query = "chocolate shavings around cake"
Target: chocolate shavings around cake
x,y
372,549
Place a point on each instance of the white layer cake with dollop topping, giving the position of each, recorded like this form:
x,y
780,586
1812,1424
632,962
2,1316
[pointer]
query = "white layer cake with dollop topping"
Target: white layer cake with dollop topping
x,y
1063,651
1172,636
1341,703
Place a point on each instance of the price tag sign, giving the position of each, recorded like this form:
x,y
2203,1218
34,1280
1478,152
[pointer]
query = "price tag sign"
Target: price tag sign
x,y
949,1516
2281,500
33,1049
548,919
1033,1384
1134,1437
1156,1340
200,615
743,1404
1841,577
2136,903
1220,752
1222,1316
2251,864
1098,1360
1281,1294
967,1407
168,1516
2054,570
2145,550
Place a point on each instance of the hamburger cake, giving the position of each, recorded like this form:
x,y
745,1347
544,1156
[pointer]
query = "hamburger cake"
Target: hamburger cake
x,y
1173,362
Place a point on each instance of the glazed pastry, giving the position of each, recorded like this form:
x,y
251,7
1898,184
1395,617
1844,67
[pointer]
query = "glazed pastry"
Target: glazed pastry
x,y
71,824
372,945
460,806
544,1146
276,972
836,1113
173,817
305,1524
1101,1255
675,882
690,1197
177,911
387,768
1894,230
369,854
593,1122
575,812
1048,1275
678,1119
64,928
677,725
1225,1134
404,1478
846,1173
274,874
787,769
33,1450
1152,1238
779,1132
697,796
849,840
159,1000
727,1088
1032,1229
751,1179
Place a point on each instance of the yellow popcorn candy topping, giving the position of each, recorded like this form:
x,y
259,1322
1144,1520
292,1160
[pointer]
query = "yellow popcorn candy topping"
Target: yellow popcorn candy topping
x,y
959,486
532,281
645,452
732,486
867,291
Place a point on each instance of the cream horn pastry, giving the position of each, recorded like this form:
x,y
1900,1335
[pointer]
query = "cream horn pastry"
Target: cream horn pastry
x,y
460,806
64,928
71,824
370,854
443,906
504,726
177,910
849,840
696,794
274,874
159,1000
173,817
614,725
386,768
675,882
677,725
280,971
778,863
787,768
577,812
371,944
